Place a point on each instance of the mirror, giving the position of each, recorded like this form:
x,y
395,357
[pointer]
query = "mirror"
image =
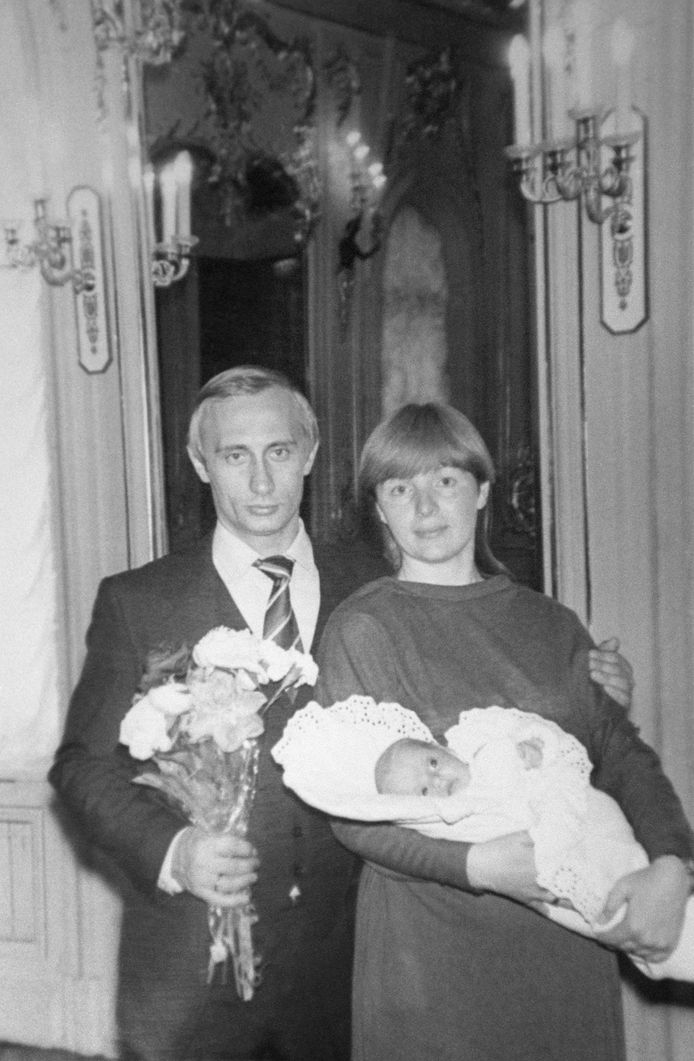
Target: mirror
x,y
242,102
443,256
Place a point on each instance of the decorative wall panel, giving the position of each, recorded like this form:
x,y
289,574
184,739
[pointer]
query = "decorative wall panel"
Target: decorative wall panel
x,y
22,884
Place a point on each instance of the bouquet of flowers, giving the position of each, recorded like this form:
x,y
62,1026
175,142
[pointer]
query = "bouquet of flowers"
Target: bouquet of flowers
x,y
198,716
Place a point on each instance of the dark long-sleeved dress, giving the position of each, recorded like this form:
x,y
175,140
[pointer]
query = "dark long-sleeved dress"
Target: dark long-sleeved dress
x,y
442,973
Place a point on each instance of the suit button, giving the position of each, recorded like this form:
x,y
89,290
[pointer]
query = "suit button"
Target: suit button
x,y
298,869
297,832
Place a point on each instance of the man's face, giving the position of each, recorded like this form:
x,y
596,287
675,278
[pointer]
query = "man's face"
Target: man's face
x,y
255,454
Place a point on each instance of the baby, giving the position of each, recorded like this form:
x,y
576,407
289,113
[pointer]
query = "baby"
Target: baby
x,y
502,771
510,776
417,767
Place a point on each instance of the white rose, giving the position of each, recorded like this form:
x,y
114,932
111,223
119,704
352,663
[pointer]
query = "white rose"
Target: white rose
x,y
173,698
143,730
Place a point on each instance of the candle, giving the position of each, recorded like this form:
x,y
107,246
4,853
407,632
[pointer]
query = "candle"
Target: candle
x,y
167,184
148,186
622,48
378,182
519,59
183,171
583,76
554,50
33,138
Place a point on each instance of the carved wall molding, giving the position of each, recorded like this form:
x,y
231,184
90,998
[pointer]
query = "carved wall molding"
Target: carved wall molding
x,y
247,67
431,88
343,79
152,31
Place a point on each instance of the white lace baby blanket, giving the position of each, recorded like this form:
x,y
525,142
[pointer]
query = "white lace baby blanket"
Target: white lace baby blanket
x,y
583,842
329,755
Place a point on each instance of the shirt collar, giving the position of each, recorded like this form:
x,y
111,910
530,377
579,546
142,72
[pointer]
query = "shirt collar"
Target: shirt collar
x,y
234,556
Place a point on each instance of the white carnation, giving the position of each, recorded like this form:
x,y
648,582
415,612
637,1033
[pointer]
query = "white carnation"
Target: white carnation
x,y
230,649
230,734
143,730
306,666
278,661
172,698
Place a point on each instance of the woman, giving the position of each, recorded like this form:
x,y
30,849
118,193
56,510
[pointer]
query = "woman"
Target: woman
x,y
446,967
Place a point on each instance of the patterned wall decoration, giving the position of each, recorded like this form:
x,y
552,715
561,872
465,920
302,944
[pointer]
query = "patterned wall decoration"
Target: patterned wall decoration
x,y
431,89
249,82
342,77
251,76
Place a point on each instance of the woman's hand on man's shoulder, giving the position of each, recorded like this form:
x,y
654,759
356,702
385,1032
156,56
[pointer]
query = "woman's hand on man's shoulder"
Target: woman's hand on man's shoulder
x,y
609,668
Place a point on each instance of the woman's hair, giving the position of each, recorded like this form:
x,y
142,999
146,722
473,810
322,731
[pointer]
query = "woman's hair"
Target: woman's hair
x,y
248,379
417,438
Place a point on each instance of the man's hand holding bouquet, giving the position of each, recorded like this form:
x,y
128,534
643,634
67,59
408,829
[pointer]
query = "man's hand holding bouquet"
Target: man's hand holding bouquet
x,y
197,718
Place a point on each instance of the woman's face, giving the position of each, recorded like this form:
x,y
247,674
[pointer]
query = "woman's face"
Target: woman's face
x,y
432,517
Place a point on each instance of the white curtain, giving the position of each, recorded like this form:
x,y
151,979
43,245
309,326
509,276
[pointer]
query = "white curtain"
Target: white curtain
x,y
28,674
29,664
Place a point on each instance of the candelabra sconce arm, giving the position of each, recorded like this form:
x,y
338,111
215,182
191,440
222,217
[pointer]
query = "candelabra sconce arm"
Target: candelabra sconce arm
x,y
614,179
18,255
601,166
53,248
70,252
49,249
171,260
555,170
535,181
349,249
349,253
603,169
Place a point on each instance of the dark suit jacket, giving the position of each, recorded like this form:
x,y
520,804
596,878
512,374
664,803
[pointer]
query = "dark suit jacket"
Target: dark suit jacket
x,y
164,939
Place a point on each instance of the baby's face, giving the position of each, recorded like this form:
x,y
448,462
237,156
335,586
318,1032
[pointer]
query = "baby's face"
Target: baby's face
x,y
415,768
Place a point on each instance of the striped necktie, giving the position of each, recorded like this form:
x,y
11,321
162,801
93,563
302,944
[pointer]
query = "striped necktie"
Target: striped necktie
x,y
280,622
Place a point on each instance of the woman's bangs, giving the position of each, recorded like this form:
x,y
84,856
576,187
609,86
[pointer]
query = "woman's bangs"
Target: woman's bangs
x,y
417,453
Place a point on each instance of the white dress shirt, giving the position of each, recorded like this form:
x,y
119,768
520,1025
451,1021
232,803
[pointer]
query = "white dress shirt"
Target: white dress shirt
x,y
251,589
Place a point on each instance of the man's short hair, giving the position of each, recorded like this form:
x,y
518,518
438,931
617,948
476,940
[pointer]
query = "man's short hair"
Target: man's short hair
x,y
248,379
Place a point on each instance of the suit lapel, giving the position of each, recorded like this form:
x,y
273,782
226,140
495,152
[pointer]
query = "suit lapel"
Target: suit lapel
x,y
203,601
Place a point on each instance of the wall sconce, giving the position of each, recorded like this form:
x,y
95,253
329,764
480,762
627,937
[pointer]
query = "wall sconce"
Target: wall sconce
x,y
367,181
591,154
69,251
49,250
171,255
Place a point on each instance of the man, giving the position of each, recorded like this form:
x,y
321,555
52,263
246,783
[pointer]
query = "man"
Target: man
x,y
253,438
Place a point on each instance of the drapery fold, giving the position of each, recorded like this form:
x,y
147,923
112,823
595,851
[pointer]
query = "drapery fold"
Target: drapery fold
x,y
29,691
